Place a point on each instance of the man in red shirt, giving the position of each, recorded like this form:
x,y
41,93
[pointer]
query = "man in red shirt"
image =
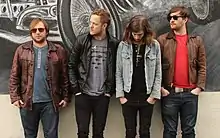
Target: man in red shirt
x,y
184,74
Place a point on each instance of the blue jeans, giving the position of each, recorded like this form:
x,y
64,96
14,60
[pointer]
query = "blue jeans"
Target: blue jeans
x,y
183,105
44,112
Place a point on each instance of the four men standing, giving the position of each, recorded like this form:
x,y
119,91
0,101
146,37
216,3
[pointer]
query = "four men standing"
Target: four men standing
x,y
40,76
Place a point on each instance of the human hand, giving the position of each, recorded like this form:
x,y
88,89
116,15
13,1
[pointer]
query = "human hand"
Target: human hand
x,y
18,103
164,92
63,103
123,100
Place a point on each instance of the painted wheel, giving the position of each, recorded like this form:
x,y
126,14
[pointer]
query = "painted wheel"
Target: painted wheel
x,y
204,11
73,18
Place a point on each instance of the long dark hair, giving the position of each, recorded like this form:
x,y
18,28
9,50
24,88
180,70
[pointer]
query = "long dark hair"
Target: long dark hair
x,y
136,24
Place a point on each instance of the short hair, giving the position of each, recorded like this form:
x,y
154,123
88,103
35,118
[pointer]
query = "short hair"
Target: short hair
x,y
136,24
105,16
35,21
182,9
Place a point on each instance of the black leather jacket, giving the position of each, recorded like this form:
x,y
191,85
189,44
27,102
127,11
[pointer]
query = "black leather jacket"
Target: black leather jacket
x,y
79,63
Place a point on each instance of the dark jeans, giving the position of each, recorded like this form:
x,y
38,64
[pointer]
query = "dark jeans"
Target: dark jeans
x,y
183,104
44,112
130,118
87,106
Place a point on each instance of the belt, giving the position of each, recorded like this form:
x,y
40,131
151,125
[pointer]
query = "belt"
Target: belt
x,y
179,89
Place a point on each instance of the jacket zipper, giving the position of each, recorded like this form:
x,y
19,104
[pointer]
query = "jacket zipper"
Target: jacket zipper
x,y
174,57
32,53
50,81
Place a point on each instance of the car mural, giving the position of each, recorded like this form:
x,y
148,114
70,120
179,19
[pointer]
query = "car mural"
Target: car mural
x,y
73,14
69,18
21,10
19,13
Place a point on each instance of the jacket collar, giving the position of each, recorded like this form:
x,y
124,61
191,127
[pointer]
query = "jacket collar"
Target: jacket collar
x,y
107,35
171,35
29,45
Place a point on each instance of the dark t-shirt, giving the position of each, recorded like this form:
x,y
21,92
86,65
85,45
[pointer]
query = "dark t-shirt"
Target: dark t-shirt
x,y
137,93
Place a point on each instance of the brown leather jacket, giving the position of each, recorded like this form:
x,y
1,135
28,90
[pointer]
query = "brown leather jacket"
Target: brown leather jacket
x,y
196,56
22,74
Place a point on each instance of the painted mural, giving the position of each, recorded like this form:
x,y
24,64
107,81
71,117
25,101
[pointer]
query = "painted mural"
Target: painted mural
x,y
69,18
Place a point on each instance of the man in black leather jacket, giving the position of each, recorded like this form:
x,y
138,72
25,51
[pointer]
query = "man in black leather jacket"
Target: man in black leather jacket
x,y
92,74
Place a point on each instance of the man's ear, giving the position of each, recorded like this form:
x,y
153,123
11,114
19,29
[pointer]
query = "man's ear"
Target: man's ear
x,y
105,25
47,32
186,19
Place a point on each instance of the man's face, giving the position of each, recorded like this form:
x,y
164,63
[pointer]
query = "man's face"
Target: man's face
x,y
96,26
137,36
177,21
39,33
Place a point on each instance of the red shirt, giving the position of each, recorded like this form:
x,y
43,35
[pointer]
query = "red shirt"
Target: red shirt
x,y
181,68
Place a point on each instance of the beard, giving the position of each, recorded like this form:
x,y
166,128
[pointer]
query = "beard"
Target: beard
x,y
176,27
39,41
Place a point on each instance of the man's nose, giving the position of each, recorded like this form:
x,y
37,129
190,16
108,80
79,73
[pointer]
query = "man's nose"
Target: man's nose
x,y
136,37
37,31
172,20
91,25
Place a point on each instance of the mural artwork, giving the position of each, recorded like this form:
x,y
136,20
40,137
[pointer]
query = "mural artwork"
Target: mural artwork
x,y
69,18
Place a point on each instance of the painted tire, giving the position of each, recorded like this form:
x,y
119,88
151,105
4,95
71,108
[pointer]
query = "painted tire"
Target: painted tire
x,y
73,18
204,11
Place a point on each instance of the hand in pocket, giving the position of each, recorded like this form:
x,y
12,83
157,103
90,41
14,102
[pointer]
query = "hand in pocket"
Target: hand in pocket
x,y
123,100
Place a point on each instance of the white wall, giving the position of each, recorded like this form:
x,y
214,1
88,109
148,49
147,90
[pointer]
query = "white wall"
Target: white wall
x,y
208,122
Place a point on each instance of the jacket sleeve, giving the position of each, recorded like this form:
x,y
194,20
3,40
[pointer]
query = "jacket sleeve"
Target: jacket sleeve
x,y
15,78
201,64
113,87
119,73
158,74
65,78
73,67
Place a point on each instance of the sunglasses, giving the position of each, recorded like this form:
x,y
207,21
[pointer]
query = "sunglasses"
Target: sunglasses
x,y
34,30
175,17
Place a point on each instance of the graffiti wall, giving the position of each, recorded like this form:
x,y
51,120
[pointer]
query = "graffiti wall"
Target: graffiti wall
x,y
69,18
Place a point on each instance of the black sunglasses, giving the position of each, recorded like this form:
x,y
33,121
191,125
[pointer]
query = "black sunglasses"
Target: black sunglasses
x,y
175,17
34,30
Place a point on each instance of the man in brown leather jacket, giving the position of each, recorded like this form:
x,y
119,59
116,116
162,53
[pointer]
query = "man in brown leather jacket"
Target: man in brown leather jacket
x,y
39,81
183,75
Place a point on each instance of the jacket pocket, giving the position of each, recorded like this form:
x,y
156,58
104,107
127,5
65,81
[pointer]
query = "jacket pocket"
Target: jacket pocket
x,y
165,72
151,57
125,55
23,87
151,61
26,64
24,90
193,71
165,66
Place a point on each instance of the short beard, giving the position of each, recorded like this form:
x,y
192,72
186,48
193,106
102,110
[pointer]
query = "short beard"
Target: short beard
x,y
40,41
